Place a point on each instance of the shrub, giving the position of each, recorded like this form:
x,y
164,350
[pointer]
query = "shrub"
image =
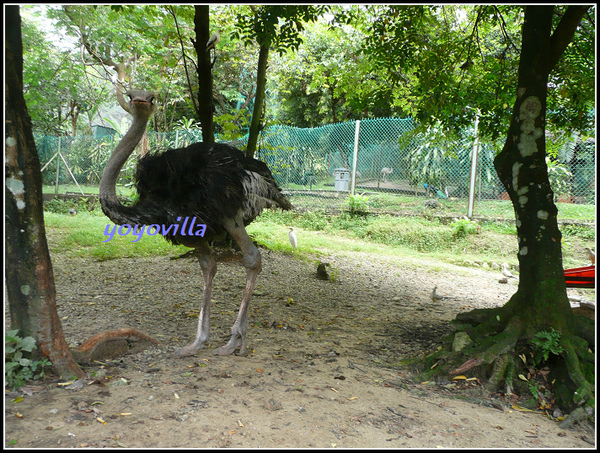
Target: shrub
x,y
19,367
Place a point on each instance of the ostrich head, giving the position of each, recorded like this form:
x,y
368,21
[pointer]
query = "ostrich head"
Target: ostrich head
x,y
141,106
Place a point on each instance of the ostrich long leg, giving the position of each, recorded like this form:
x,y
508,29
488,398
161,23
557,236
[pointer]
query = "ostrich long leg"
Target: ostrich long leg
x,y
252,263
209,269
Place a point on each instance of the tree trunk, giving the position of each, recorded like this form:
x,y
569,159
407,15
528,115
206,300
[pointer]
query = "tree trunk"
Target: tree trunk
x,y
541,298
522,169
29,277
500,335
205,81
259,100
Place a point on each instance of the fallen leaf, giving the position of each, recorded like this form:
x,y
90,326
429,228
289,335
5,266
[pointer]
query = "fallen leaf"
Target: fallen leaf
x,y
353,398
18,399
19,415
100,420
523,409
523,378
461,377
240,423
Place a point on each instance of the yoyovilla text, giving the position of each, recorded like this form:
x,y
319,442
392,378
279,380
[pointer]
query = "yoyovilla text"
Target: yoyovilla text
x,y
152,230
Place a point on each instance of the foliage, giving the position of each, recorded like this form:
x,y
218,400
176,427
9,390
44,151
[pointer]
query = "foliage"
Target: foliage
x,y
56,87
545,343
463,227
19,366
329,79
58,206
368,61
276,27
358,204
559,176
440,59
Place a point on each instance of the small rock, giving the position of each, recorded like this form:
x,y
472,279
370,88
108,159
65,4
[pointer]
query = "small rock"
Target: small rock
x,y
461,340
322,271
54,411
273,405
503,280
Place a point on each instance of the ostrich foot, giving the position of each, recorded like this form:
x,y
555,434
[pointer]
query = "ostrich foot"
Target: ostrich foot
x,y
190,349
237,340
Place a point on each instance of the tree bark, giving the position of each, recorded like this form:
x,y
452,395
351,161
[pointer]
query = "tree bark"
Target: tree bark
x,y
541,298
259,100
29,276
205,80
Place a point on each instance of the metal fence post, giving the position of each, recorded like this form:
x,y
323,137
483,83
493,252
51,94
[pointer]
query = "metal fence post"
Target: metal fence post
x,y
355,157
474,161
57,168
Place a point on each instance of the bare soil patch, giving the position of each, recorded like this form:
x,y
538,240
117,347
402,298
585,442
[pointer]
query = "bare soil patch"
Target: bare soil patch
x,y
319,373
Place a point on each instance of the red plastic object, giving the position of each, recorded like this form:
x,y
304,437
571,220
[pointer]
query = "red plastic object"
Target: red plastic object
x,y
581,277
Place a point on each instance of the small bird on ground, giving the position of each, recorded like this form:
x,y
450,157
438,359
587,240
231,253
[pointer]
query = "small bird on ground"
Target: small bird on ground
x,y
506,272
591,255
436,297
293,239
74,212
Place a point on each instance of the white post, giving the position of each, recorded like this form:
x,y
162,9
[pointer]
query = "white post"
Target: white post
x,y
57,168
355,157
474,161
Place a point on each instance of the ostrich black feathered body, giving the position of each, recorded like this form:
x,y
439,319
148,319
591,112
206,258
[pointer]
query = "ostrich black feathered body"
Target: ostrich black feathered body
x,y
211,182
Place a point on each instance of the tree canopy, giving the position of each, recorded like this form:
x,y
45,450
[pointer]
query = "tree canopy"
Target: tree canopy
x,y
330,64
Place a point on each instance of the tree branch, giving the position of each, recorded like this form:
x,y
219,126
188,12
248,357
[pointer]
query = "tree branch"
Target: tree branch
x,y
563,34
171,10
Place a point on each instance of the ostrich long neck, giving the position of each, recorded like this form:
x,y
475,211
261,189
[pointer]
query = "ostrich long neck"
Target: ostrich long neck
x,y
111,205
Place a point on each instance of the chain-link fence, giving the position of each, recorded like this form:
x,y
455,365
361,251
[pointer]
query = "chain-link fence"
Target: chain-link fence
x,y
386,159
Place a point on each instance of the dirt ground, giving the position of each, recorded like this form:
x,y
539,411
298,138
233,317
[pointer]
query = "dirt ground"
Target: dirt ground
x,y
319,372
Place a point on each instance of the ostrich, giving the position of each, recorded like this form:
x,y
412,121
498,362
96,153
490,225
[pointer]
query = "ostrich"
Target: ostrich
x,y
216,183
385,171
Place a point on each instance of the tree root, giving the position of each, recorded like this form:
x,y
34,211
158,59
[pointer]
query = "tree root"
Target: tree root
x,y
111,343
501,355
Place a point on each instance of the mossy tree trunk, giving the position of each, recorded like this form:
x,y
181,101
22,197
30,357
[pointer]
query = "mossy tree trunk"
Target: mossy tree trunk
x,y
541,300
540,303
29,277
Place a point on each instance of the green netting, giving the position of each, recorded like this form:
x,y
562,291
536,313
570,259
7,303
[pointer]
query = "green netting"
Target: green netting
x,y
315,165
